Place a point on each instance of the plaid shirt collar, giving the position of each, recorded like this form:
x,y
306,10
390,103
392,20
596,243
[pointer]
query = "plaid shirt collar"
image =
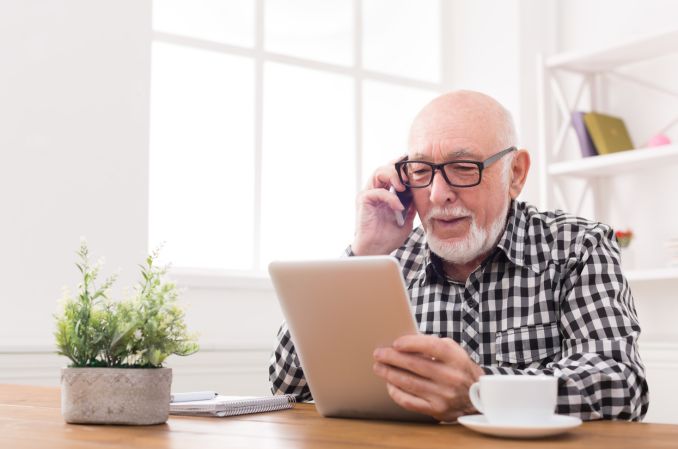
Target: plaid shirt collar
x,y
520,247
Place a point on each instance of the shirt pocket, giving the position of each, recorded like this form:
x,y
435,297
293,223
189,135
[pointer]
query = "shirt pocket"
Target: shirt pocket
x,y
528,346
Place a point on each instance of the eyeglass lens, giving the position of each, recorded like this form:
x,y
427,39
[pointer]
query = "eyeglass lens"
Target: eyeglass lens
x,y
458,173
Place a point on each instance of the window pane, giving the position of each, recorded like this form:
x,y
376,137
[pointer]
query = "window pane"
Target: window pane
x,y
388,113
201,150
319,30
402,37
228,22
308,176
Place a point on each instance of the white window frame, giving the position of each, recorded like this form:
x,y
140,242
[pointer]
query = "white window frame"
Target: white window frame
x,y
254,279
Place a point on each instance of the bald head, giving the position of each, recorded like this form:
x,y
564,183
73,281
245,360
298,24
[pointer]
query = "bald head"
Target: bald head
x,y
462,113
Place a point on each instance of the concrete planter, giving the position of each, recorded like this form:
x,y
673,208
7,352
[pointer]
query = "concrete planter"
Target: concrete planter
x,y
137,396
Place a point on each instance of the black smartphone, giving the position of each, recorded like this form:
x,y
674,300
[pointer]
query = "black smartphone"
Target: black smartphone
x,y
405,198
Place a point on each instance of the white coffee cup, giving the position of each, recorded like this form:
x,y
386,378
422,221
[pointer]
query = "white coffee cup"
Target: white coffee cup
x,y
518,400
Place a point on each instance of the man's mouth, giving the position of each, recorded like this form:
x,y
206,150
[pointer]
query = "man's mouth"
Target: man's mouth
x,y
449,221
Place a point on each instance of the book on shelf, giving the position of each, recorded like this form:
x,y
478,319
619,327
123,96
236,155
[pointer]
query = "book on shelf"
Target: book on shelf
x,y
609,134
221,405
585,143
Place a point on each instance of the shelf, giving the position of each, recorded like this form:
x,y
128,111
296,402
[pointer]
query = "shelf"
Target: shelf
x,y
652,275
617,163
609,58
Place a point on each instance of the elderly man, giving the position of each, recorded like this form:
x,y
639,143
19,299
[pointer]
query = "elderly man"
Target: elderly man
x,y
496,286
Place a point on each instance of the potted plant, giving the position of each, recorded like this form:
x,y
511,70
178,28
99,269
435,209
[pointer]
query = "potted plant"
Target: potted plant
x,y
624,241
117,348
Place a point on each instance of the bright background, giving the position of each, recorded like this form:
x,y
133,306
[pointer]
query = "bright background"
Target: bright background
x,y
239,132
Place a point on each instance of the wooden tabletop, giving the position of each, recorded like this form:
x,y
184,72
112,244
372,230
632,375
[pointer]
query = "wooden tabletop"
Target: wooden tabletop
x,y
30,417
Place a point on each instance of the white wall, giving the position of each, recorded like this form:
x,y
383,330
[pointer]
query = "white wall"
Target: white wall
x,y
238,323
74,89
584,23
74,105
494,48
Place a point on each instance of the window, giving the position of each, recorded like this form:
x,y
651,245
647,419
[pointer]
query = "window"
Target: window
x,y
267,117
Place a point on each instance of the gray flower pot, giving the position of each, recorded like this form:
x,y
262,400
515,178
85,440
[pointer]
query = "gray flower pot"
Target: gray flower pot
x,y
137,396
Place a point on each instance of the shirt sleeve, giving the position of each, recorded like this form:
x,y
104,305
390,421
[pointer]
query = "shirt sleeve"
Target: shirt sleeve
x,y
285,372
600,371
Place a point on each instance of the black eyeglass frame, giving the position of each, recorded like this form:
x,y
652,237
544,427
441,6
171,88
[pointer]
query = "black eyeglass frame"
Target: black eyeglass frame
x,y
482,165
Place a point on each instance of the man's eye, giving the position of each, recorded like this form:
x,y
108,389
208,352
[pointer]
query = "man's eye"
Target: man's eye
x,y
464,168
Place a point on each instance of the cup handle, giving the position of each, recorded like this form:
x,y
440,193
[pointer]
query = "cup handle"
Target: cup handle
x,y
473,394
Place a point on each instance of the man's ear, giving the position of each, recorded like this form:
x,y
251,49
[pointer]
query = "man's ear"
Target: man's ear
x,y
519,168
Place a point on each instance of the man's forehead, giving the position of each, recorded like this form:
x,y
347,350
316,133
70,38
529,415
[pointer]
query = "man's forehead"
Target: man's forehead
x,y
445,154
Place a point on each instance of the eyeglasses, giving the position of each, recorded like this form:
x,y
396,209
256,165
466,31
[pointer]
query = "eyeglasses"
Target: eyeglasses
x,y
418,174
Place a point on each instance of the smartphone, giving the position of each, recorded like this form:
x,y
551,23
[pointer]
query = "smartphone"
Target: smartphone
x,y
405,198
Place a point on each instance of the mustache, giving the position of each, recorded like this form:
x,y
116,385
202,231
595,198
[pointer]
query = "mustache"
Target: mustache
x,y
448,213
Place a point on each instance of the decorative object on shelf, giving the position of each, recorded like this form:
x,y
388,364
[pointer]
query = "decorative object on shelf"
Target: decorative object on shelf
x,y
117,348
624,238
586,145
608,133
658,140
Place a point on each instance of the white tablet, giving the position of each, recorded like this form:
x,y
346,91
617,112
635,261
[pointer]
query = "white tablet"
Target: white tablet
x,y
338,311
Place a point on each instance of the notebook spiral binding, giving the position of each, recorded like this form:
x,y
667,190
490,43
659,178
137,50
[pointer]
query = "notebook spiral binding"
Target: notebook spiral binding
x,y
260,406
232,407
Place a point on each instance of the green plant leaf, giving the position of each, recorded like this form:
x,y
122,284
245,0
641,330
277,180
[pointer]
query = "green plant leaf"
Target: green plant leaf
x,y
94,330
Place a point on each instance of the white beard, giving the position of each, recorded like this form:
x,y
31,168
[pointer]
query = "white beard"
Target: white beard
x,y
478,242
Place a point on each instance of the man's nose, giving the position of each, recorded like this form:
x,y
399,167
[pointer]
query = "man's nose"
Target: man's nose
x,y
441,191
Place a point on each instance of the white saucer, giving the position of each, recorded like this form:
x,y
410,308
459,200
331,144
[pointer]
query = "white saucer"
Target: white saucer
x,y
556,425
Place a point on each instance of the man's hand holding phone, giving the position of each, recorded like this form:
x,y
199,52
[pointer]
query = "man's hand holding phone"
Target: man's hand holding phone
x,y
377,229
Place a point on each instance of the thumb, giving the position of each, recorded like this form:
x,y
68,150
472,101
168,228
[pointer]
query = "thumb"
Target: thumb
x,y
409,218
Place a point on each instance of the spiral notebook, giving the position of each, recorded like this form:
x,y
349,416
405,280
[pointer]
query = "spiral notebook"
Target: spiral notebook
x,y
232,405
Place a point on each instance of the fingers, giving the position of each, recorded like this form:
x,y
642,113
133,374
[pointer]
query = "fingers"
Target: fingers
x,y
421,365
377,230
376,196
409,391
428,374
407,400
419,395
439,359
404,380
443,349
385,177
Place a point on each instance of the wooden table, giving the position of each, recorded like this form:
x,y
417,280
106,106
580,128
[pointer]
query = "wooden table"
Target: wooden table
x,y
30,417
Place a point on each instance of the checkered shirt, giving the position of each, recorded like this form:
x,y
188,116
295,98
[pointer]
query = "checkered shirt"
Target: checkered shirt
x,y
550,299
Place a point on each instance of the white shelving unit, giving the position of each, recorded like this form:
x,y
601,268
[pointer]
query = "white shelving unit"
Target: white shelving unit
x,y
587,71
616,163
655,274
